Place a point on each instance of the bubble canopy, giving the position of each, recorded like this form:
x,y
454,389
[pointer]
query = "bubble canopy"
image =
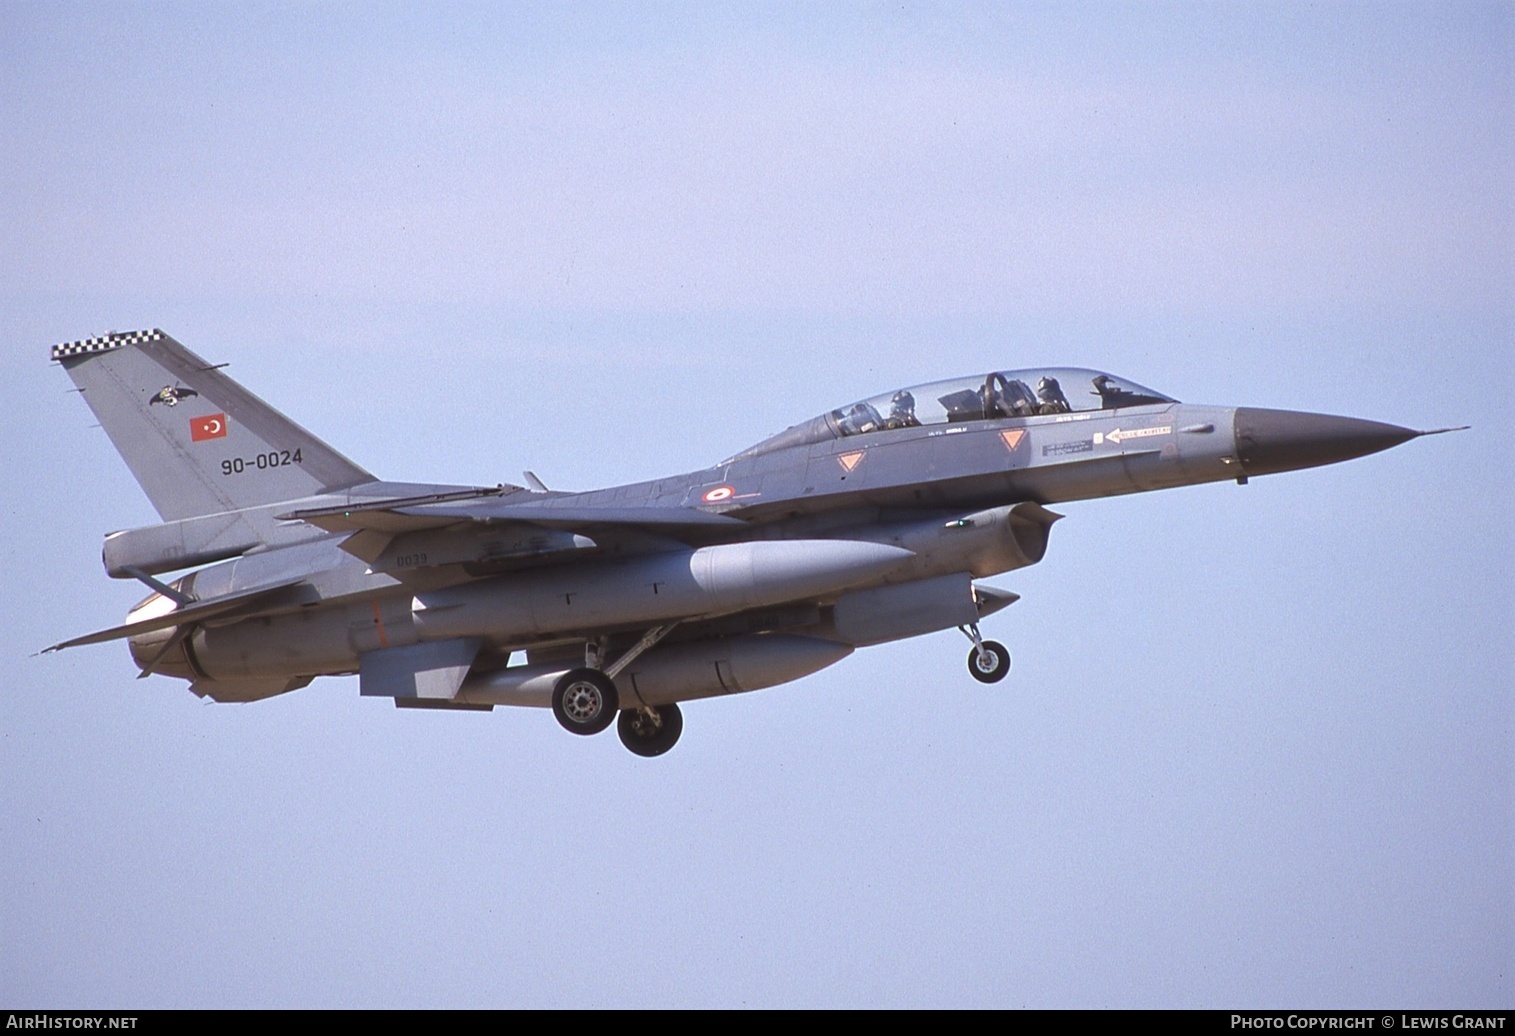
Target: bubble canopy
x,y
987,397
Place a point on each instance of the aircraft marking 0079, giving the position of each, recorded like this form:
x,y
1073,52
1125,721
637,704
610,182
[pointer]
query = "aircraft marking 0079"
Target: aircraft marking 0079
x,y
613,606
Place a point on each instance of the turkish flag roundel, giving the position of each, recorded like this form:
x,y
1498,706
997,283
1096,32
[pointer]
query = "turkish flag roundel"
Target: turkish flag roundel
x,y
212,426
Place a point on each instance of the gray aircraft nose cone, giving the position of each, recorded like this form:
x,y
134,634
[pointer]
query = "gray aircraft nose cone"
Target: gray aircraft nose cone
x,y
1283,440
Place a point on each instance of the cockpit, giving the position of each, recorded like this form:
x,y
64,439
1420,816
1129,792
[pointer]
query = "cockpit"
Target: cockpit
x,y
993,396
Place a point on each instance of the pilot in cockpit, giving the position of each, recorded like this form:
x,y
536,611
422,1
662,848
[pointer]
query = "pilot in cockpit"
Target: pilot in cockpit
x,y
902,411
1050,397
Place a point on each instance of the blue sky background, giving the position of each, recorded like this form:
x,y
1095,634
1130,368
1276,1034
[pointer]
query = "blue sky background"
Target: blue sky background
x,y
1256,749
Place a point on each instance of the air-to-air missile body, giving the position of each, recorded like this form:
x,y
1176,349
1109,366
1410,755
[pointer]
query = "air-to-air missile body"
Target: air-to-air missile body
x,y
867,524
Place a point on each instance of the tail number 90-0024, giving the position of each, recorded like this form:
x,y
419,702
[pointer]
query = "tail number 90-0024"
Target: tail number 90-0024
x,y
260,461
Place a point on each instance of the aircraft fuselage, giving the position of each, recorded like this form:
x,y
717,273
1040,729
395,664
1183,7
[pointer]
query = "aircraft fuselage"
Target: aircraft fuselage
x,y
867,524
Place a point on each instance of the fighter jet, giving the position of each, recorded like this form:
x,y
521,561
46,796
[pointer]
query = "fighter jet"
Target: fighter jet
x,y
867,524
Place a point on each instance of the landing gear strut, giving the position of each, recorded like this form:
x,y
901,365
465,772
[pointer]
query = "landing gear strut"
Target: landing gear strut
x,y
989,661
652,730
585,700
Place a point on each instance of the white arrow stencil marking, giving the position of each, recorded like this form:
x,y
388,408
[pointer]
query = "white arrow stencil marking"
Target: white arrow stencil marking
x,y
1117,436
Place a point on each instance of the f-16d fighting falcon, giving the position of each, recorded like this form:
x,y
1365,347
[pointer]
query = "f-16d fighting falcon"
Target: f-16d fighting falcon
x,y
867,524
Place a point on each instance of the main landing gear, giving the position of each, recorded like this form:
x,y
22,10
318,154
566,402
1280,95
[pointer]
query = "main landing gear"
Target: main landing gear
x,y
650,731
585,701
989,661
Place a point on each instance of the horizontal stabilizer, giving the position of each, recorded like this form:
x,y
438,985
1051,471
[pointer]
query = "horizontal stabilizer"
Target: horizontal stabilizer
x,y
286,593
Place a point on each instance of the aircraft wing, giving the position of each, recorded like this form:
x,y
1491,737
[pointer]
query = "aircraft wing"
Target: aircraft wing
x,y
397,516
571,516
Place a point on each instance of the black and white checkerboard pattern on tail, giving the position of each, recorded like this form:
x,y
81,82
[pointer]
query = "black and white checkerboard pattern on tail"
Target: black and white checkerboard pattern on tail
x,y
104,343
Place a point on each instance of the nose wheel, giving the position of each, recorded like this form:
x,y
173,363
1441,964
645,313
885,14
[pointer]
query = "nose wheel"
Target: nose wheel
x,y
989,661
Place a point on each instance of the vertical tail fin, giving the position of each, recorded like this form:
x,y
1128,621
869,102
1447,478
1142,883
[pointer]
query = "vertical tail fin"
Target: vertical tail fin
x,y
197,442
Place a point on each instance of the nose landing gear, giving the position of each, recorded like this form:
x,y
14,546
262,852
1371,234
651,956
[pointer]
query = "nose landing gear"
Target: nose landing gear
x,y
989,661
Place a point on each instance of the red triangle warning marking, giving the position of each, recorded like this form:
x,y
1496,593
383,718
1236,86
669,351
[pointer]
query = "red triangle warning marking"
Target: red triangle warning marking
x,y
848,461
1013,437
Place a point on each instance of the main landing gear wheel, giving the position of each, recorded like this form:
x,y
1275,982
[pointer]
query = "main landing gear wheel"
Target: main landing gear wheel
x,y
650,731
585,701
991,664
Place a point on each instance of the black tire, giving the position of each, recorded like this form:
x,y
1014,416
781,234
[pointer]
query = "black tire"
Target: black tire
x,y
585,701
650,735
994,673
